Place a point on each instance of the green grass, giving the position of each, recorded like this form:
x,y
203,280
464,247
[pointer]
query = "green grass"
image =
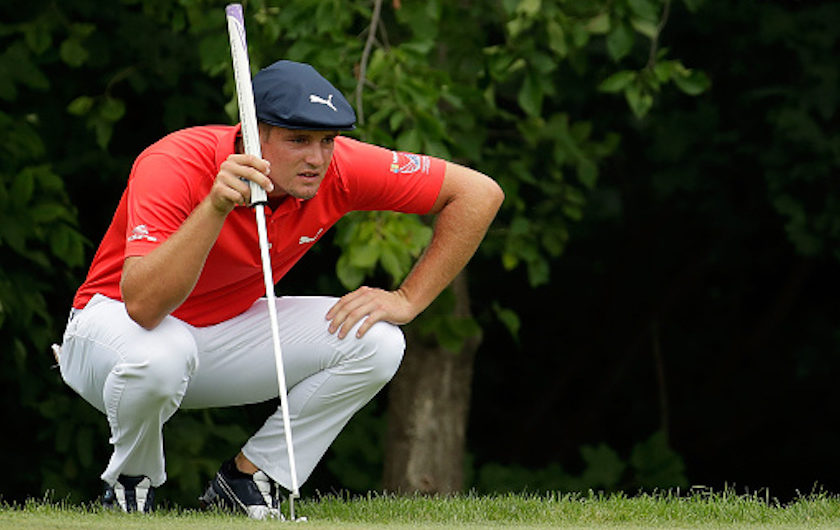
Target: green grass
x,y
699,509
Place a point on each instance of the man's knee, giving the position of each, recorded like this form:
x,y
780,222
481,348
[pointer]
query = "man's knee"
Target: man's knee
x,y
386,343
163,363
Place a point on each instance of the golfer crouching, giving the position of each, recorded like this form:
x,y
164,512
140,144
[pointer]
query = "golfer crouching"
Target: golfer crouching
x,y
172,313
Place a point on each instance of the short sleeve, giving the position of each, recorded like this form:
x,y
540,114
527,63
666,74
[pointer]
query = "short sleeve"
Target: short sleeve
x,y
382,179
159,199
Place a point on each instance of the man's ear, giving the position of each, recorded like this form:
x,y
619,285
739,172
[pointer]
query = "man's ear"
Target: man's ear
x,y
265,131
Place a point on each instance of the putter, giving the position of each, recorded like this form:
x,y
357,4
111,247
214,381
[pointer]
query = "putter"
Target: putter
x,y
250,136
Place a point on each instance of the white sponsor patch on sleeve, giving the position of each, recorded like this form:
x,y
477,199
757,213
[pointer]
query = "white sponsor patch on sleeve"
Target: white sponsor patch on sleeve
x,y
141,232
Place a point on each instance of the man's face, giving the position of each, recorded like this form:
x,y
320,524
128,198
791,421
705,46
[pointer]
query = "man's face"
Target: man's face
x,y
299,159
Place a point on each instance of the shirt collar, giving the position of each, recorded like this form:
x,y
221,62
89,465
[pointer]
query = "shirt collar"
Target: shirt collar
x,y
227,144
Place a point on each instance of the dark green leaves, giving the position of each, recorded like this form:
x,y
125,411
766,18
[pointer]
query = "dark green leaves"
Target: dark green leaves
x,y
640,87
100,115
18,70
378,239
620,41
618,81
691,82
651,465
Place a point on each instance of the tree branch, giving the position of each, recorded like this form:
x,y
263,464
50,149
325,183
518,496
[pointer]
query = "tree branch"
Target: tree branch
x,y
374,22
654,42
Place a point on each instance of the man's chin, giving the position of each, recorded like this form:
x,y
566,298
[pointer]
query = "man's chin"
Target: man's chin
x,y
304,194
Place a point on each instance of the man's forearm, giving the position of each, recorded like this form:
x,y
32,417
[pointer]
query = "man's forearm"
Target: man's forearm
x,y
154,285
460,227
466,205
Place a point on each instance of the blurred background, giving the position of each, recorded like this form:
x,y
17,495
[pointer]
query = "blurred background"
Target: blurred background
x,y
654,307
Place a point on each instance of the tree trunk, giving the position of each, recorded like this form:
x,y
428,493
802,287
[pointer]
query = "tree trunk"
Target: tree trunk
x,y
428,404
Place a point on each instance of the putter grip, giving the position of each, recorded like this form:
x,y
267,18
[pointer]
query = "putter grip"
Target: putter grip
x,y
244,91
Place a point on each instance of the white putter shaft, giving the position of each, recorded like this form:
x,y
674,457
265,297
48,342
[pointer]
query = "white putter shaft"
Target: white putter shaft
x,y
250,136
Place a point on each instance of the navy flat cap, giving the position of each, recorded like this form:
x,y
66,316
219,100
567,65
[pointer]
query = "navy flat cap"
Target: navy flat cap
x,y
295,96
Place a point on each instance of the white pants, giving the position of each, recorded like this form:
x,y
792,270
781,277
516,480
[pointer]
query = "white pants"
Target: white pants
x,y
139,378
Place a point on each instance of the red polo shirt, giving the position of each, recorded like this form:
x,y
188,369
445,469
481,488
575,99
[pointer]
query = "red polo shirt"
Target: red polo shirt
x,y
171,177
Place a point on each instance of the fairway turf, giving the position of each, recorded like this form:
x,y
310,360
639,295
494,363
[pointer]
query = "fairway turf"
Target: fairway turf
x,y
667,510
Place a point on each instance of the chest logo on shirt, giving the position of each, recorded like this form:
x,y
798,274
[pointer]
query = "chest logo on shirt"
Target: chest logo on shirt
x,y
304,239
408,163
141,232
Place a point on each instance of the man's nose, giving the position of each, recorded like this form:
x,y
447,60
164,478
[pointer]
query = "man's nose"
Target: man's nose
x,y
315,156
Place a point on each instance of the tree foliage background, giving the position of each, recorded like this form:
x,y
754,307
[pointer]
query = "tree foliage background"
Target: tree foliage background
x,y
666,313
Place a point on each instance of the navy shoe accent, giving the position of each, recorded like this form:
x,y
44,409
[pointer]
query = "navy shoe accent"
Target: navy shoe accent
x,y
255,495
130,494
